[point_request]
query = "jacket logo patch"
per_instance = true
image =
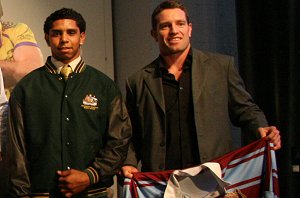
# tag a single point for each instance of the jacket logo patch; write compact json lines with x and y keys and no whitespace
{"x":90,"y":102}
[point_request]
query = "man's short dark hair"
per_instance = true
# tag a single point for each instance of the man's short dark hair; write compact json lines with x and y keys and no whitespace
{"x":170,"y":4}
{"x":65,"y":13}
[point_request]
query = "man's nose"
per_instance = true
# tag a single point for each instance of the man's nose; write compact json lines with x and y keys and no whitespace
{"x":174,"y":28}
{"x":64,"y":37}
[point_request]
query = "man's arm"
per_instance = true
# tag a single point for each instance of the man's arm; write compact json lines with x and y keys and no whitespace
{"x":245,"y":113}
{"x":3,"y":127}
{"x":3,"y":116}
{"x":26,"y":58}
{"x":19,"y":183}
{"x":132,"y":159}
{"x":135,"y":144}
{"x":114,"y":153}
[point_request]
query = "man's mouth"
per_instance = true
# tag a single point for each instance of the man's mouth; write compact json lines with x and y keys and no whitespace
{"x":175,"y":39}
{"x":64,"y":49}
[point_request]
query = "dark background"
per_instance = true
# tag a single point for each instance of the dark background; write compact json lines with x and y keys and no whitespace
{"x":269,"y":61}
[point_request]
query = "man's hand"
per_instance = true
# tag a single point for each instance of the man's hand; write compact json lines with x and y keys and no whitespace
{"x":272,"y":134}
{"x":72,"y":181}
{"x":128,"y":171}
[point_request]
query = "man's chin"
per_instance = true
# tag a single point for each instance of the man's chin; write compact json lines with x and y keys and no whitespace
{"x":173,"y":51}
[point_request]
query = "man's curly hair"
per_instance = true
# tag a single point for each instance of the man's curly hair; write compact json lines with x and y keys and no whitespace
{"x":65,"y":13}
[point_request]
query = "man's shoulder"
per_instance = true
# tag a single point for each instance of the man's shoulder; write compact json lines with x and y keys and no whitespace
{"x":97,"y":77}
{"x":32,"y":75}
{"x":30,"y":80}
{"x":149,"y":69}
{"x":212,"y":58}
{"x":96,"y":73}
{"x":209,"y":54}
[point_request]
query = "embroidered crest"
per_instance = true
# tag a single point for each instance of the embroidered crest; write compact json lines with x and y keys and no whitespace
{"x":90,"y":102}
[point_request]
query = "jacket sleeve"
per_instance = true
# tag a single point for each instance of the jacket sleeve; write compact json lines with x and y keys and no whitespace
{"x":114,"y":153}
{"x":3,"y":114}
{"x":243,"y":111}
{"x":3,"y":126}
{"x":133,"y":155}
{"x":19,"y":183}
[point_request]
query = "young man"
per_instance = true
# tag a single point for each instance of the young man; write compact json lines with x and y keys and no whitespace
{"x":183,"y":103}
{"x":68,"y":131}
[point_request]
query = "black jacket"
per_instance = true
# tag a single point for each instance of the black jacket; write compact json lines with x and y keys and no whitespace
{"x":219,"y":99}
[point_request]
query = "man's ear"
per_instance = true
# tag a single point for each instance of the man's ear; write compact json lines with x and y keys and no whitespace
{"x":82,"y":38}
{"x":154,"y":34}
{"x":47,"y":39}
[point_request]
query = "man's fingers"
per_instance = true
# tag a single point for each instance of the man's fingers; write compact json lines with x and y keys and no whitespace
{"x":273,"y":134}
{"x":63,"y":173}
{"x":277,"y":142}
{"x":67,"y":194}
{"x":128,"y":174}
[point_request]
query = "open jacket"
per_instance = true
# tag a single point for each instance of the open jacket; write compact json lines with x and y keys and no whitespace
{"x":219,"y":100}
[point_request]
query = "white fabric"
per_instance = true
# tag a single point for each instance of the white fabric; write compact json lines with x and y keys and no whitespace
{"x":200,"y":181}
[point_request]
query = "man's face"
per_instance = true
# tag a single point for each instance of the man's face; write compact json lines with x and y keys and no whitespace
{"x":65,"y":39}
{"x":172,"y":31}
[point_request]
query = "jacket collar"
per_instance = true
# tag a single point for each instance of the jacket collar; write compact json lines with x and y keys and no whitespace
{"x":199,"y":67}
{"x":199,"y":73}
{"x":50,"y":67}
{"x":154,"y":83}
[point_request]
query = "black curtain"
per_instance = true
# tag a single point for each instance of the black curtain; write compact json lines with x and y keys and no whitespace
{"x":268,"y":34}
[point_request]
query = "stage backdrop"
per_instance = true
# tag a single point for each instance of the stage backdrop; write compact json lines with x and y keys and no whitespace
{"x":97,"y":51}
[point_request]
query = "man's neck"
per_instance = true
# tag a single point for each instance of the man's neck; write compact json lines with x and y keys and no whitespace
{"x":174,"y":62}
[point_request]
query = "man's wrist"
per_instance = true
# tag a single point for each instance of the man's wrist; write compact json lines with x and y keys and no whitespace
{"x":93,"y":175}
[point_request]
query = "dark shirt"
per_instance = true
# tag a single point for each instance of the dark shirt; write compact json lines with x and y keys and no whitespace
{"x":182,"y":146}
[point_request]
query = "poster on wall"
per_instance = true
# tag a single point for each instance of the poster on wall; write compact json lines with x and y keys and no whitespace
{"x":19,"y":51}
{"x":22,"y":44}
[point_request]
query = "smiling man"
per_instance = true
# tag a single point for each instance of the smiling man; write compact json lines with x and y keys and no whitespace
{"x":68,"y":126}
{"x":182,"y":104}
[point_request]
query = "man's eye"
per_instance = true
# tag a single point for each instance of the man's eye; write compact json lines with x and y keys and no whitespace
{"x":164,"y":26}
{"x":55,"y":34}
{"x":181,"y":24}
{"x":72,"y":32}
